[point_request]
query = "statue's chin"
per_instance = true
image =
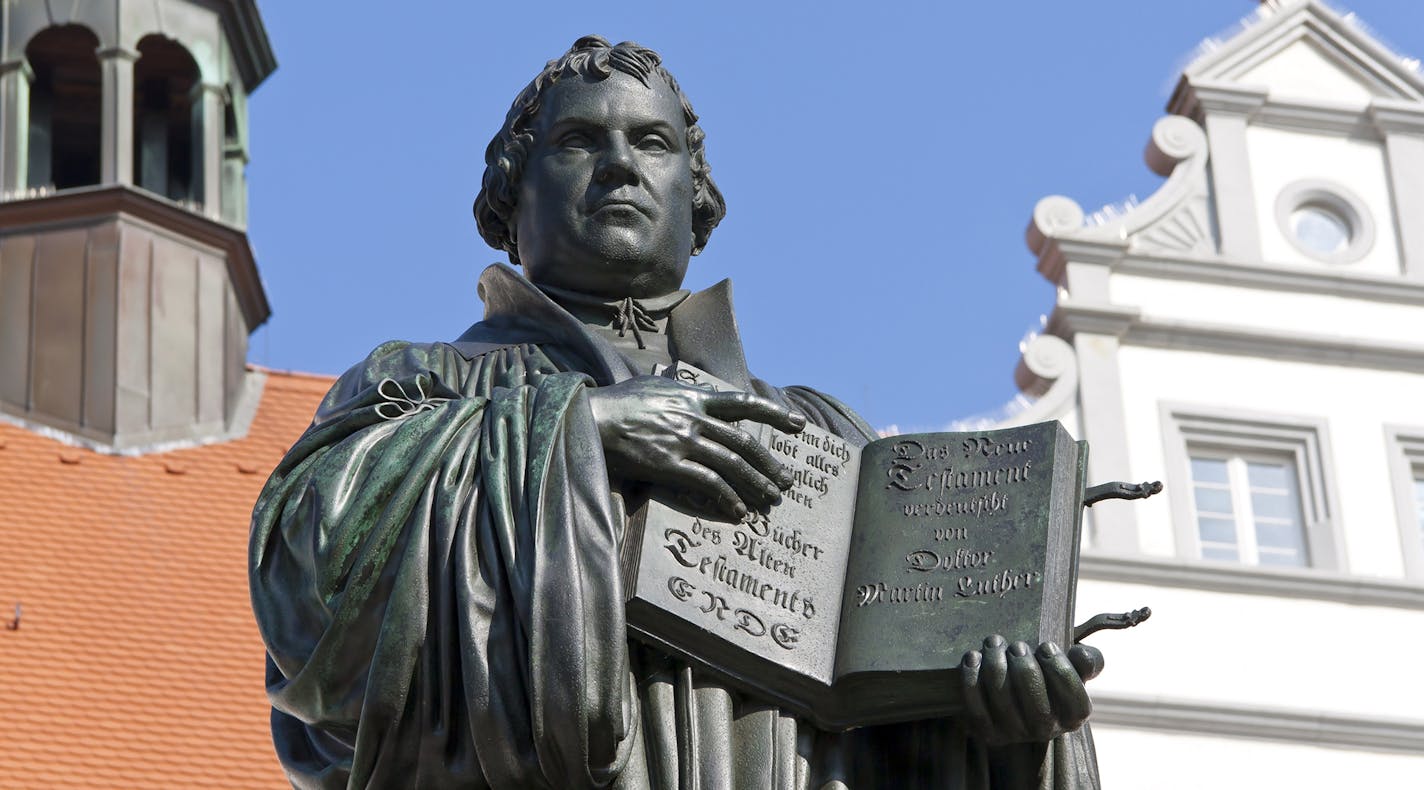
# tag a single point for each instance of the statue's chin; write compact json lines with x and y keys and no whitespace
{"x":614,"y":275}
{"x":639,"y":284}
{"x":655,"y":284}
{"x":635,"y":262}
{"x":616,"y":252}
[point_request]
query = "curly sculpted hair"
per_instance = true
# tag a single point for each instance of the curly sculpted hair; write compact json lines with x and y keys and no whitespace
{"x":594,"y":58}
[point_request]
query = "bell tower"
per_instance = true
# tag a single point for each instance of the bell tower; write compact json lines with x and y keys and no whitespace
{"x":128,"y":287}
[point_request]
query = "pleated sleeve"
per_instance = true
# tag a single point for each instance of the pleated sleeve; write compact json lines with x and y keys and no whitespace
{"x":434,"y":569}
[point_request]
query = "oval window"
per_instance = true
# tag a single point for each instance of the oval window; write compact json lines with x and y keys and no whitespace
{"x":1320,"y":229}
{"x":1325,"y":221}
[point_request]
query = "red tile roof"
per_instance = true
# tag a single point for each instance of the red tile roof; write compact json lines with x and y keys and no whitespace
{"x":137,"y":662}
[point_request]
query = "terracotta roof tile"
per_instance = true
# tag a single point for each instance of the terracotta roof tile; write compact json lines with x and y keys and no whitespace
{"x":137,"y":662}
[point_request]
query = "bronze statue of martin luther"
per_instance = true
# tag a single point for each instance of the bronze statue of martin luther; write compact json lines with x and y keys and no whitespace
{"x":435,"y":564}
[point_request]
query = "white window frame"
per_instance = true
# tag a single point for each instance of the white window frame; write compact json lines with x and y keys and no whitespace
{"x":1238,"y":487}
{"x":1304,"y":441}
{"x":1406,"y":462}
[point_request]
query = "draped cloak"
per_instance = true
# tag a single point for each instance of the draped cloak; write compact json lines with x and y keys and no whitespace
{"x":435,"y":570}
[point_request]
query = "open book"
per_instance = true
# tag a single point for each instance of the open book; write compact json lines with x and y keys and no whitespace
{"x":853,"y":600}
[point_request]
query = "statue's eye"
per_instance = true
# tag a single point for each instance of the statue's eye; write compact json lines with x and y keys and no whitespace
{"x":575,"y":139}
{"x":653,"y":142}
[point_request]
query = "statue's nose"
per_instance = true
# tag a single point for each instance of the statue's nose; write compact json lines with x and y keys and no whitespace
{"x":616,"y":165}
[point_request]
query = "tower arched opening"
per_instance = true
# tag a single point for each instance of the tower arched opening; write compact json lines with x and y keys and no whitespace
{"x":167,"y":120}
{"x":66,"y":105}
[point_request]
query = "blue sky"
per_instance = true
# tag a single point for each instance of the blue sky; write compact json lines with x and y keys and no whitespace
{"x":880,"y":163}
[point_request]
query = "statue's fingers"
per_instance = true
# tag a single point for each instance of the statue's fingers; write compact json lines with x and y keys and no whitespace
{"x":1088,"y":660}
{"x":743,"y":444}
{"x":733,"y":406}
{"x":1071,"y":704}
{"x":998,"y":695}
{"x":1032,"y":696}
{"x":976,"y":714}
{"x":755,"y":490}
{"x":702,"y":481}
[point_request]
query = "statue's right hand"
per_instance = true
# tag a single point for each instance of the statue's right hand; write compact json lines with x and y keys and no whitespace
{"x":683,"y":438}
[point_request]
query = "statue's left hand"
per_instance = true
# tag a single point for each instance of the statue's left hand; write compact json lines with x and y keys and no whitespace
{"x":1015,"y":694}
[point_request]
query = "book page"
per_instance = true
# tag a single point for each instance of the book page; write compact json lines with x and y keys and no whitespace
{"x":951,"y":538}
{"x":771,"y":584}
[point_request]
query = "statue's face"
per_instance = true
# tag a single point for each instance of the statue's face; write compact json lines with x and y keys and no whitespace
{"x":605,"y":201}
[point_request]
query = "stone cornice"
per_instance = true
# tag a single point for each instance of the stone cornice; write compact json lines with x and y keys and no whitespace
{"x":1054,"y":254}
{"x":1318,"y":585}
{"x":1129,"y":325}
{"x":1240,"y":273}
{"x":1197,"y":99}
{"x":1253,"y":104}
{"x":85,"y":204}
{"x":1230,"y":720}
{"x":1316,"y":116}
{"x":1070,"y":318}
{"x":1390,"y":116}
{"x":1280,"y":345}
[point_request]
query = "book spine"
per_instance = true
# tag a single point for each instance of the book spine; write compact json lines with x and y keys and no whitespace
{"x":633,"y":552}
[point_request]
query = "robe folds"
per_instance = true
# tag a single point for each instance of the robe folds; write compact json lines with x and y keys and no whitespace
{"x":435,"y":570}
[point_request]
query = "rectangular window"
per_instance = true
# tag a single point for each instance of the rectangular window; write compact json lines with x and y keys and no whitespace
{"x":1419,"y":503}
{"x":1250,"y":489}
{"x":1406,"y":464}
{"x":1248,"y":510}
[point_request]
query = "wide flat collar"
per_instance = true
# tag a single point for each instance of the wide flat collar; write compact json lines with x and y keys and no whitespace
{"x":655,"y":308}
{"x":703,"y":332}
{"x":702,"y":329}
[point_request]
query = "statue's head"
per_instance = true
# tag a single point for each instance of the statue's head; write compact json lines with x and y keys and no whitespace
{"x":598,"y":181}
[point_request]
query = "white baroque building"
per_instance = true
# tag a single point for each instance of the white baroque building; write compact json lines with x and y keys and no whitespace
{"x":1253,"y":335}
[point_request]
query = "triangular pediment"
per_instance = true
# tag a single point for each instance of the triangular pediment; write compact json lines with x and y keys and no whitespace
{"x":1306,"y":69}
{"x":1305,"y":51}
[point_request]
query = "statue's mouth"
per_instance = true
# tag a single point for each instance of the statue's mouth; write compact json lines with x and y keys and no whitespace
{"x":617,"y":207}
